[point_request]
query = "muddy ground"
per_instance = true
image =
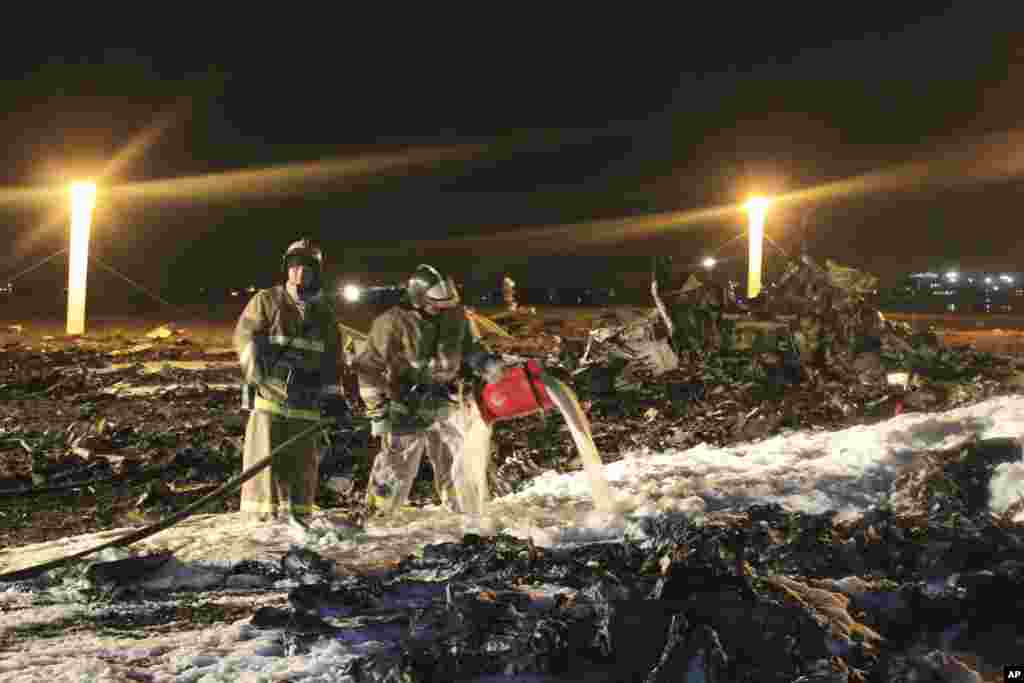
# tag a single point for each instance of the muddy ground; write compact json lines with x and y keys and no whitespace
{"x":56,"y":422}
{"x":154,"y":454}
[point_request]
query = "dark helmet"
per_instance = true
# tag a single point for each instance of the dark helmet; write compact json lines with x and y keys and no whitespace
{"x":427,"y":287}
{"x":304,"y":253}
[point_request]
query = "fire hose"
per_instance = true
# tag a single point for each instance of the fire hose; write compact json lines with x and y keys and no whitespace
{"x":227,"y":488}
{"x":516,"y":395}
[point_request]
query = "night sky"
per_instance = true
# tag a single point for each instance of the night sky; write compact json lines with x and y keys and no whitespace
{"x":551,"y":127}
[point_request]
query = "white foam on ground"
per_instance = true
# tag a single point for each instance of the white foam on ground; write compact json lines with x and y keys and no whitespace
{"x":812,"y":471}
{"x":847,"y":470}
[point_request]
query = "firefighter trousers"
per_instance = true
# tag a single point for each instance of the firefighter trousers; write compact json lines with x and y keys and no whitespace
{"x":289,"y":485}
{"x":395,"y":467}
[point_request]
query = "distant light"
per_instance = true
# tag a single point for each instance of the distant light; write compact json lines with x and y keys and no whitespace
{"x":709,"y":262}
{"x":996,"y":288}
{"x":351,"y":293}
{"x":952,"y":275}
{"x":988,"y":280}
{"x":251,"y":289}
{"x":1006,"y":278}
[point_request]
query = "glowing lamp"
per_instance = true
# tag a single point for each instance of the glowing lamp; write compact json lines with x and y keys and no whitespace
{"x":351,"y":293}
{"x":83,"y":200}
{"x":756,"y":208}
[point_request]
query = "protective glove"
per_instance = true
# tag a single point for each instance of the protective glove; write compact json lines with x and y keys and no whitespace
{"x":489,"y":367}
{"x":384,"y":417}
{"x":336,"y":407}
{"x":261,"y":344}
{"x":493,"y":370}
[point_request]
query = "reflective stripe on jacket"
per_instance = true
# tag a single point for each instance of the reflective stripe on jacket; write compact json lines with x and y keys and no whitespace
{"x":307,"y":346}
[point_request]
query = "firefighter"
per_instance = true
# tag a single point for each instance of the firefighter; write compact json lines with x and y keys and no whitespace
{"x":290,"y":349}
{"x":410,"y":374}
{"x":508,"y":294}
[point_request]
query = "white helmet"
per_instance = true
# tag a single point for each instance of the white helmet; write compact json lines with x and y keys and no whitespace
{"x":427,"y":287}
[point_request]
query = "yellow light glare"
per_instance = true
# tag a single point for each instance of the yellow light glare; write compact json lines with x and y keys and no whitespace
{"x":83,"y":199}
{"x":757,"y":205}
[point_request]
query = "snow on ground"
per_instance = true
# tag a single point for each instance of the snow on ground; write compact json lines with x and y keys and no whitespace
{"x":847,"y":470}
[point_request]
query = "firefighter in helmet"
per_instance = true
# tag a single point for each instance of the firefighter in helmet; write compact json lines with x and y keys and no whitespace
{"x":290,"y":349}
{"x":409,"y":373}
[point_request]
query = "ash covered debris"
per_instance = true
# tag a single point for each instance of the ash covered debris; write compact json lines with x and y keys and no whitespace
{"x":764,"y":595}
{"x":925,"y":587}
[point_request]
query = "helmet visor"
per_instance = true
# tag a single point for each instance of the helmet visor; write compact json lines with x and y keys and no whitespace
{"x":300,"y":258}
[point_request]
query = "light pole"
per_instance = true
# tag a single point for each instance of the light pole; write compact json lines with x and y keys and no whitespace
{"x":83,"y":199}
{"x":756,"y":208}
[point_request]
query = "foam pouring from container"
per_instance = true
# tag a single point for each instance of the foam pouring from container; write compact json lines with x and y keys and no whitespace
{"x":527,"y":390}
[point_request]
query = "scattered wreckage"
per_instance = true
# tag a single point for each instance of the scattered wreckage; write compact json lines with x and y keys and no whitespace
{"x":699,"y":367}
{"x":925,"y":587}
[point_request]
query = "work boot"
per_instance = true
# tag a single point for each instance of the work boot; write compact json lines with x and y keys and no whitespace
{"x":379,"y":508}
{"x":379,"y":499}
{"x":375,"y":506}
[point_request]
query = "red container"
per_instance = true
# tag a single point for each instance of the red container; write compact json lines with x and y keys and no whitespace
{"x":516,"y":395}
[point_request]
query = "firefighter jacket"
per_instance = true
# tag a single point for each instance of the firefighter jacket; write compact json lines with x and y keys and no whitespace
{"x":291,"y":357}
{"x":407,"y":348}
